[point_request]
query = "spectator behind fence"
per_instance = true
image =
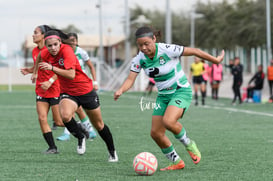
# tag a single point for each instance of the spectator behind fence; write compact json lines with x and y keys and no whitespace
{"x":258,"y":80}
{"x":270,"y":80}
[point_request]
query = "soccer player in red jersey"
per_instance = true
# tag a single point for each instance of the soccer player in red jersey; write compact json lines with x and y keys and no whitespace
{"x":47,"y":91}
{"x":76,"y":89}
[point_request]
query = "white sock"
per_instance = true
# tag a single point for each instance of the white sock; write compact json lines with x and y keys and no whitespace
{"x":182,"y":137}
{"x":66,"y":131}
{"x":87,"y":124}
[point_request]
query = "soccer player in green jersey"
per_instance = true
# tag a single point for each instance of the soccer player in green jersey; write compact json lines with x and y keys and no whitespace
{"x":161,"y":62}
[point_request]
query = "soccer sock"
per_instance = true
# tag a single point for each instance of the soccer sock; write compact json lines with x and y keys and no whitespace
{"x":203,"y":93}
{"x":73,"y":128}
{"x":216,"y":93}
{"x":182,"y":137}
{"x":49,"y":139}
{"x":171,"y":154}
{"x":196,"y":97}
{"x":108,"y":139}
{"x":66,"y":131}
{"x":212,"y":92}
{"x":86,"y":122}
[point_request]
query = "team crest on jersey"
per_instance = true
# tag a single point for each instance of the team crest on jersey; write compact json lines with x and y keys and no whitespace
{"x":161,"y":60}
{"x":136,"y":66}
{"x":61,"y":61}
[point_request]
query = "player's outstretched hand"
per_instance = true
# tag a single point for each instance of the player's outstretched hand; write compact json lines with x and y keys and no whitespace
{"x":117,"y":94}
{"x":220,"y":58}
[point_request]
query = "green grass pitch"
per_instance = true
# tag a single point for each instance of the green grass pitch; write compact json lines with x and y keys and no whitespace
{"x":236,"y":142}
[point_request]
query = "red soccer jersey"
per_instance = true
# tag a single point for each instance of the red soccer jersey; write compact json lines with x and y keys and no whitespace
{"x":66,"y":59}
{"x":45,"y":75}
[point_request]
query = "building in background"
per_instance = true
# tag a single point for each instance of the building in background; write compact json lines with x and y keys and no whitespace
{"x":114,"y":48}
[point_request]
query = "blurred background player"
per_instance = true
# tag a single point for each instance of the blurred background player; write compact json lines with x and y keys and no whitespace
{"x":258,"y":79}
{"x":83,"y":60}
{"x":196,"y":73}
{"x":205,"y":74}
{"x":150,"y":86}
{"x":237,"y":72}
{"x":270,"y":80}
{"x":47,"y":91}
{"x":216,"y":77}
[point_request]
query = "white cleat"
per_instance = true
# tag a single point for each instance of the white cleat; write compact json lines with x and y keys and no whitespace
{"x":113,"y":158}
{"x":81,"y":146}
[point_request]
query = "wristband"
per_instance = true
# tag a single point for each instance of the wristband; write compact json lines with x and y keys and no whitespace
{"x":52,"y":68}
{"x":95,"y":83}
{"x":51,"y":80}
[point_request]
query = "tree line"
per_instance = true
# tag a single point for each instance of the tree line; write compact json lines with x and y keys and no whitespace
{"x":222,"y":25}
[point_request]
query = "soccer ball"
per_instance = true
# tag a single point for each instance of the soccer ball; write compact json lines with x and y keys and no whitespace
{"x":145,"y":163}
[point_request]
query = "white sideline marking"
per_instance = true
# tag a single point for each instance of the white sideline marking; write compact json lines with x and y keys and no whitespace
{"x":241,"y":110}
{"x":17,"y":106}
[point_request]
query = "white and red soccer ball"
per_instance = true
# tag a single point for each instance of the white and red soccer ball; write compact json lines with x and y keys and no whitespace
{"x":145,"y":163}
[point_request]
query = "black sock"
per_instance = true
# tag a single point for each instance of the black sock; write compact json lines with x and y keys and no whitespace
{"x":196,"y":97}
{"x":108,"y":139}
{"x":73,"y":128}
{"x":49,"y":139}
{"x":203,"y":93}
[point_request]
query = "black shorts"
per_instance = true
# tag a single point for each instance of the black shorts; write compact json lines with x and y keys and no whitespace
{"x":87,"y":101}
{"x":215,"y":82}
{"x":197,"y":79}
{"x":51,"y":101}
{"x":151,"y":83}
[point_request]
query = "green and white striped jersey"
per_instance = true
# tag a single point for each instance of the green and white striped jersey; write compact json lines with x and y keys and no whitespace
{"x":82,"y":57}
{"x":165,"y":67}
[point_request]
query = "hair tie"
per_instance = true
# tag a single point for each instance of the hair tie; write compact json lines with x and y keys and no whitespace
{"x":53,"y":36}
{"x":149,"y":34}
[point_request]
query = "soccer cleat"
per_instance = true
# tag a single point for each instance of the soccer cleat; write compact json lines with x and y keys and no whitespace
{"x":113,"y":157}
{"x":63,"y":137}
{"x":51,"y":151}
{"x":194,"y":152}
{"x":83,"y":130}
{"x":92,"y":135}
{"x":178,"y":166}
{"x":81,"y":146}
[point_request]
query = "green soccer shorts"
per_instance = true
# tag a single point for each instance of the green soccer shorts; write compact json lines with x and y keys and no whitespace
{"x":181,"y":98}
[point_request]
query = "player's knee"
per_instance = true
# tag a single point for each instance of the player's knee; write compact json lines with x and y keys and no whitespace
{"x":168,"y":123}
{"x":42,"y":118}
{"x":99,"y":125}
{"x":66,"y":117}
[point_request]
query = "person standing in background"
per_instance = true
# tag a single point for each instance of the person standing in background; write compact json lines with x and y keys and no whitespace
{"x":149,"y":87}
{"x":237,"y":72}
{"x":270,"y":80}
{"x":197,"y":69}
{"x":216,"y":78}
{"x":206,"y":74}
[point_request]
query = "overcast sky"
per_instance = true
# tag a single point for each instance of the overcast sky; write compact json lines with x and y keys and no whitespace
{"x":18,"y":18}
